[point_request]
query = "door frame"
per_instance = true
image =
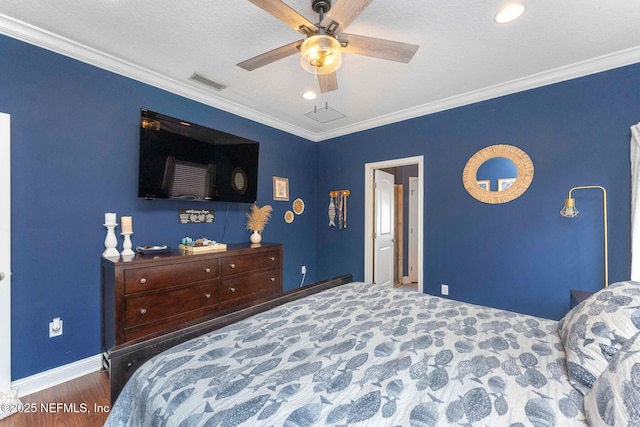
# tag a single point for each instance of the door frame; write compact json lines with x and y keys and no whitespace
{"x":369,"y":207}
{"x":5,"y":257}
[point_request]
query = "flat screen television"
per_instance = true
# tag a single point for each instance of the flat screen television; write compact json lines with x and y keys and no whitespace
{"x":185,"y":161}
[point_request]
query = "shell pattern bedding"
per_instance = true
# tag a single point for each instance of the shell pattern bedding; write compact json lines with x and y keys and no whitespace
{"x":364,"y":354}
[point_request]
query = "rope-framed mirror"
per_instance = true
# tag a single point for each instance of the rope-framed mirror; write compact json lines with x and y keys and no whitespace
{"x":523,"y":178}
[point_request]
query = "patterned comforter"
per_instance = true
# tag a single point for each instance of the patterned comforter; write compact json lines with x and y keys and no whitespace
{"x":361,"y":354}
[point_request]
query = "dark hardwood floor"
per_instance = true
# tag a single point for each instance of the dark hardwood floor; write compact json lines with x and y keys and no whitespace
{"x":83,"y":402}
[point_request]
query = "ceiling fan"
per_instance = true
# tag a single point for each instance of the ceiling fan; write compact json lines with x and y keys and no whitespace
{"x":321,"y":51}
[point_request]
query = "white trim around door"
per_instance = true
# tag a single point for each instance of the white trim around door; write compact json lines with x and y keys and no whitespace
{"x":8,"y":397}
{"x":369,"y":171}
{"x":5,"y":255}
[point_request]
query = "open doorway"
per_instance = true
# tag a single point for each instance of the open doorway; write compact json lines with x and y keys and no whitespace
{"x":371,"y":221}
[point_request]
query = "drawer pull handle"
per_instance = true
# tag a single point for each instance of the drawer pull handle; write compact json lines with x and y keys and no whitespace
{"x":143,"y":311}
{"x":207,"y":270}
{"x":143,"y":281}
{"x":207,"y":295}
{"x":232,"y":266}
{"x":232,"y":289}
{"x":273,"y":279}
{"x":272,"y":258}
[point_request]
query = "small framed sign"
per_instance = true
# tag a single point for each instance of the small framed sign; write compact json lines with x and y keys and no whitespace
{"x":195,"y":216}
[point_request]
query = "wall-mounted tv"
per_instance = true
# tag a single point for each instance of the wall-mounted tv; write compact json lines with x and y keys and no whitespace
{"x":185,"y":161}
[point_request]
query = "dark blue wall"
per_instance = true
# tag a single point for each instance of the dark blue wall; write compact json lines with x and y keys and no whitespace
{"x":521,"y":255}
{"x":74,"y":156}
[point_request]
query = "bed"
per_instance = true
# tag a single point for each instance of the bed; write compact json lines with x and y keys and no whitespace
{"x":365,"y":354}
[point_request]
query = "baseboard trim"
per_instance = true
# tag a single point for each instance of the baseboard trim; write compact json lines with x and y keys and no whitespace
{"x":59,"y":375}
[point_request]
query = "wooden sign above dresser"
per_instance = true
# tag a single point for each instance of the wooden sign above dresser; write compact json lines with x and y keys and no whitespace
{"x":150,"y":293}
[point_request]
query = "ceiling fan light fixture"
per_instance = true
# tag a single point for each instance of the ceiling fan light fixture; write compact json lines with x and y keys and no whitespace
{"x":509,"y":13}
{"x":320,"y":54}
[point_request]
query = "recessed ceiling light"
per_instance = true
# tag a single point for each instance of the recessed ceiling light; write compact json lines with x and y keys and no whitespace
{"x":309,"y":95}
{"x":509,"y":13}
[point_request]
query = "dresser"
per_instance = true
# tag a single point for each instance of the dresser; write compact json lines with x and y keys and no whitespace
{"x":146,"y":294}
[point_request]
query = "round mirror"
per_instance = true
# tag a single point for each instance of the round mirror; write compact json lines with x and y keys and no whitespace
{"x":498,"y":174}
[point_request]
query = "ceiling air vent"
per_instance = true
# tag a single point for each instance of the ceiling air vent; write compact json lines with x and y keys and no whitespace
{"x":200,"y":79}
{"x":324,"y":114}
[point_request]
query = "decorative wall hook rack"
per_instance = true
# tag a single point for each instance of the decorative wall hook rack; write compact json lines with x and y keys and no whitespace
{"x":343,"y":193}
{"x":338,"y":208}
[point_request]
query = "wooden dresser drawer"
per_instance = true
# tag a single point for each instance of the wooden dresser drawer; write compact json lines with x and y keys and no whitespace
{"x":170,"y":288}
{"x":243,"y":263}
{"x":248,"y":287}
{"x":164,"y":276}
{"x":143,"y":309}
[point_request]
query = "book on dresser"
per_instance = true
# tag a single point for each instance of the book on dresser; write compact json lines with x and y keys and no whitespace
{"x":147,"y":294}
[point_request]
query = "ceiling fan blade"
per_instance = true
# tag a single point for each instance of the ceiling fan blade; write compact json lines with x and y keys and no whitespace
{"x":328,"y":82}
{"x":343,"y":13}
{"x":284,"y":13}
{"x":271,"y":56}
{"x":379,"y":48}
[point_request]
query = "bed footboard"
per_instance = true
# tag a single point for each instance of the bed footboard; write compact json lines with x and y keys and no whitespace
{"x":122,"y":361}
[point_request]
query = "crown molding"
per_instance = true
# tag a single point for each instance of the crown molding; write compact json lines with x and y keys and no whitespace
{"x":64,"y":46}
{"x":569,"y":72}
{"x":47,"y":40}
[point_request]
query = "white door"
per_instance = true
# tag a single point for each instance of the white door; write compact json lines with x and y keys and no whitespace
{"x":383,"y":239}
{"x":5,"y":257}
{"x":413,"y":230}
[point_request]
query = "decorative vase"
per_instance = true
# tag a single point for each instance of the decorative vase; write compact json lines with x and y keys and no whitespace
{"x":255,"y":237}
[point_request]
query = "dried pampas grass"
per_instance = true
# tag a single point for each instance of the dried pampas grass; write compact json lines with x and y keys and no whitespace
{"x":258,"y":217}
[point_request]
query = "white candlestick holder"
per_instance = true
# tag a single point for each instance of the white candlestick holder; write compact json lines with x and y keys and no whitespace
{"x":110,"y":242}
{"x":126,"y":244}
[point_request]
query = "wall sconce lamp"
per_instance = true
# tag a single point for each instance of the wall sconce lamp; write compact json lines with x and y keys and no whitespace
{"x":570,"y":211}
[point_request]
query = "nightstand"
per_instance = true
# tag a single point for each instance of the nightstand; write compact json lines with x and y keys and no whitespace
{"x":577,"y":296}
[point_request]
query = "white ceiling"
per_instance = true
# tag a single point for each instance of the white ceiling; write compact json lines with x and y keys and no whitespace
{"x":464,"y":55}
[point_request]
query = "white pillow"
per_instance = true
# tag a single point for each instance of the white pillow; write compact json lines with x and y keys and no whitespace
{"x":614,"y":398}
{"x":595,"y":330}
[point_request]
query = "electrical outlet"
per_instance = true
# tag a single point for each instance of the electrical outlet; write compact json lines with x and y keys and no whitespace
{"x":304,"y":269}
{"x":55,"y":327}
{"x":444,"y":289}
